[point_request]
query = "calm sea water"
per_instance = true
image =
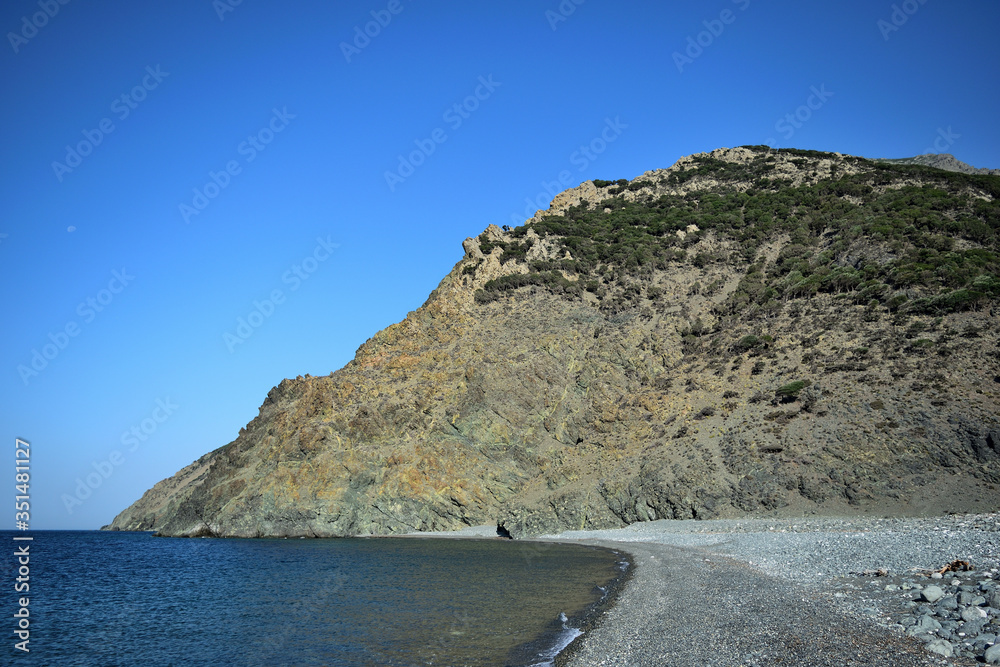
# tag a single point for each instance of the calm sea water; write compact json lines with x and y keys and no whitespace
{"x":102,"y":598}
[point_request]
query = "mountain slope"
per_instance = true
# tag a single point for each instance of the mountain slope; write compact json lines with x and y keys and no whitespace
{"x":945,"y":161}
{"x":749,"y":331}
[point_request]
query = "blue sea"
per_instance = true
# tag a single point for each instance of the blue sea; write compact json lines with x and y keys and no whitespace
{"x":111,"y":598}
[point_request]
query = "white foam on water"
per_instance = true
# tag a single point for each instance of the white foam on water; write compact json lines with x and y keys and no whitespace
{"x":563,"y":640}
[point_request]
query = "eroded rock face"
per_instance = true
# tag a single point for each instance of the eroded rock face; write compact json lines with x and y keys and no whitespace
{"x":631,"y":400}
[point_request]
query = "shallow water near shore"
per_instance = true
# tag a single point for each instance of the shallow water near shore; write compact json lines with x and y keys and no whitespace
{"x":132,"y":599}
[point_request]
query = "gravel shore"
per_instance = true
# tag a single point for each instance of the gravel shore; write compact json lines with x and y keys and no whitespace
{"x":817,"y":591}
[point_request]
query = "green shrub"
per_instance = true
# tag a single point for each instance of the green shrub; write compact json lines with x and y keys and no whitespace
{"x":553,"y":280}
{"x":750,"y":342}
{"x":790,"y":391}
{"x":920,"y":345}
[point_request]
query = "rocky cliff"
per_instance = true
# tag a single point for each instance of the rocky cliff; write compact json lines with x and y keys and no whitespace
{"x":749,"y":331}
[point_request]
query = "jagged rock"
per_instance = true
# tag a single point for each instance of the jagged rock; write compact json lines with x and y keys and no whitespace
{"x":471,"y":247}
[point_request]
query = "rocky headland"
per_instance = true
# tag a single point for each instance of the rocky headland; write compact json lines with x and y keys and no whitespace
{"x":748,"y":333}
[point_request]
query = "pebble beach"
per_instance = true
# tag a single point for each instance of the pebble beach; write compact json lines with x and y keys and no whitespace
{"x":807,"y":591}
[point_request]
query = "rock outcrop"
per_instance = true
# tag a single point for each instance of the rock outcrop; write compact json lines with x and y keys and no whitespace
{"x":747,"y":332}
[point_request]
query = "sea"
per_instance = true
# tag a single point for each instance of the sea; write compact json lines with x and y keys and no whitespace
{"x":116,"y":598}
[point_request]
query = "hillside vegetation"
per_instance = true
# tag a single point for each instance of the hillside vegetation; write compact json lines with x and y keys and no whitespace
{"x":936,"y":232}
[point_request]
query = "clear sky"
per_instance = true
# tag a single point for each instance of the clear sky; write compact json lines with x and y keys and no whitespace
{"x":173,"y":169}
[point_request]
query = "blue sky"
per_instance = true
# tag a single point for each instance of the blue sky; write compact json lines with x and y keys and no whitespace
{"x":175,"y":168}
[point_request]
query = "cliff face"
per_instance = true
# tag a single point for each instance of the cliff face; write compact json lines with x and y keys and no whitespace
{"x":746,"y":332}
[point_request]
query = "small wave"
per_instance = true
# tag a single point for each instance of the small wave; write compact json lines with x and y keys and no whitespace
{"x":563,"y":639}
